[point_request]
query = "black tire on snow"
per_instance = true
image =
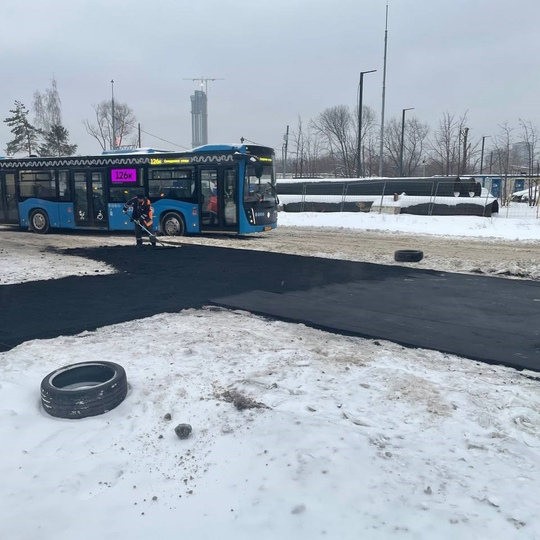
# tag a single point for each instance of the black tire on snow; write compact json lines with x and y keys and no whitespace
{"x":408,"y":255}
{"x":83,"y":389}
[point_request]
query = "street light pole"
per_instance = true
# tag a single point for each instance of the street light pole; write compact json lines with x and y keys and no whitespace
{"x":359,"y":171}
{"x":113,"y":141}
{"x":482,"y":155}
{"x":402,"y":139}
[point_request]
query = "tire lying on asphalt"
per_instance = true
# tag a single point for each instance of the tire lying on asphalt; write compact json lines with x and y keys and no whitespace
{"x":408,"y":255}
{"x":83,"y":389}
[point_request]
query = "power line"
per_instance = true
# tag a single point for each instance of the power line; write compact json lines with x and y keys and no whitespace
{"x":157,"y":137}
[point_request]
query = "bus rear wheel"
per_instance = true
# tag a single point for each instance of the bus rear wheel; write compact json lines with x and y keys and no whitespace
{"x":39,"y":222}
{"x":172,"y":224}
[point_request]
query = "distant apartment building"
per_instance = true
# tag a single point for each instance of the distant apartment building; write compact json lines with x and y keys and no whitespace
{"x":199,"y":118}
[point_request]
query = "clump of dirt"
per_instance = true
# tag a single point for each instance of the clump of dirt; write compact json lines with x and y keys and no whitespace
{"x":240,"y":401}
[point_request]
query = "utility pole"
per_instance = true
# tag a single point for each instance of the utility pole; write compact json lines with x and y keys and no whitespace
{"x":465,"y":136}
{"x":285,"y":146}
{"x":482,"y":155}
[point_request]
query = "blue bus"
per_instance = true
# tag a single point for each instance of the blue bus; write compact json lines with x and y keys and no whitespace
{"x":209,"y":189}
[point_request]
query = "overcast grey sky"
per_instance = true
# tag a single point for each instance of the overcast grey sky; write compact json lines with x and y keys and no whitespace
{"x":278,"y":59}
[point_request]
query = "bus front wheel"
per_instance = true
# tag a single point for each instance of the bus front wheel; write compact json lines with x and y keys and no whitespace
{"x":172,"y":224}
{"x":39,"y":222}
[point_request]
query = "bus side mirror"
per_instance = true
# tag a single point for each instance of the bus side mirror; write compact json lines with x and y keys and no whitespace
{"x":258,"y":170}
{"x":257,"y":165}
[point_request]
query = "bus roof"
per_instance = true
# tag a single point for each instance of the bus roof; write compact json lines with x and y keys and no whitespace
{"x":242,"y":148}
{"x":133,"y":156}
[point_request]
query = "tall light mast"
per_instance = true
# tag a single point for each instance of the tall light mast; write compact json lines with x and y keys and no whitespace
{"x":113,"y":139}
{"x":381,"y":148}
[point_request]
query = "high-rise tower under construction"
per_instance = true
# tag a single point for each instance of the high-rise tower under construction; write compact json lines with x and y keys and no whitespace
{"x":199,"y":118}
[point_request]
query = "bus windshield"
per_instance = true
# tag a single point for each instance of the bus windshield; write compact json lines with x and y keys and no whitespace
{"x":260,"y":189}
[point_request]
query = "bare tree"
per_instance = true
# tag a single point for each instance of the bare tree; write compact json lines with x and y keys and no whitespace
{"x":329,"y":145}
{"x":445,"y":148}
{"x":414,"y":141}
{"x":392,"y":145}
{"x":370,"y":154}
{"x":336,"y":126}
{"x":313,"y":149}
{"x":416,"y":134}
{"x":367,"y":144}
{"x":102,"y":130}
{"x":299,"y":144}
{"x":54,"y":137}
{"x":502,"y":143}
{"x":307,"y":148}
{"x":529,"y":137}
{"x":47,"y":108}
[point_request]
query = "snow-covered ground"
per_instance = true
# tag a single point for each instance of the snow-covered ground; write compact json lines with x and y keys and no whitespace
{"x":38,"y":265}
{"x":464,"y":226}
{"x":357,"y":439}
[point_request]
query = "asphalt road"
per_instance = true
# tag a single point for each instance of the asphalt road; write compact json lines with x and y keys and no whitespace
{"x":487,"y":319}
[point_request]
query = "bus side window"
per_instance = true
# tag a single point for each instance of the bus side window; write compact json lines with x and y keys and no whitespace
{"x":64,"y":192}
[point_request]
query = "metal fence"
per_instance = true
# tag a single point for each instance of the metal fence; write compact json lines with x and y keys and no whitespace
{"x":419,"y":197}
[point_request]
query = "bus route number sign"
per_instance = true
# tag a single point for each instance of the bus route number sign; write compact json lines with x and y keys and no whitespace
{"x":123,"y":176}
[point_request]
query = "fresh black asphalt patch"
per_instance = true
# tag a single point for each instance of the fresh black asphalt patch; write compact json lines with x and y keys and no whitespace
{"x":488,"y":319}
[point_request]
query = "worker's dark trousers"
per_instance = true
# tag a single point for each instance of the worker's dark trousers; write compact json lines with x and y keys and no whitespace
{"x":139,"y":231}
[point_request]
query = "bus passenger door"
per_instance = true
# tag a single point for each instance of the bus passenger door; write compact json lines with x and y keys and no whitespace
{"x":89,"y":203}
{"x":218,"y":199}
{"x":209,"y":198}
{"x":9,"y":209}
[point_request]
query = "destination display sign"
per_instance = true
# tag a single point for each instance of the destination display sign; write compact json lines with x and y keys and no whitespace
{"x":169,"y":161}
{"x":123,"y":176}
